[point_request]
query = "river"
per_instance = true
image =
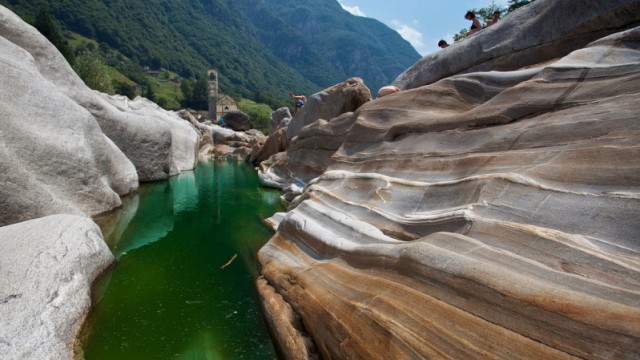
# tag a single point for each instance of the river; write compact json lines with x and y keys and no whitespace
{"x":168,"y":295}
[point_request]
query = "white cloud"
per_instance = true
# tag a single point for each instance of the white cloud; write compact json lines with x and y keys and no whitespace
{"x":355,"y":10}
{"x":411,"y":34}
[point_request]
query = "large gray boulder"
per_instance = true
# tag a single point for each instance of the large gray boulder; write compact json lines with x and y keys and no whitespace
{"x":298,"y":153}
{"x":279,"y":119}
{"x":184,"y":137}
{"x":486,"y":215}
{"x":54,"y":157}
{"x":330,"y":103}
{"x":238,"y":121}
{"x":145,"y":140}
{"x":46,"y":271}
{"x":541,"y":31}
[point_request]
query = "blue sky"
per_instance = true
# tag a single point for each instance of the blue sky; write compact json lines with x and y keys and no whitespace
{"x":421,"y":22}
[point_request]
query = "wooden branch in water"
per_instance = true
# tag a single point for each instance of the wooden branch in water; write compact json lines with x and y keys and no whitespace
{"x":230,"y":261}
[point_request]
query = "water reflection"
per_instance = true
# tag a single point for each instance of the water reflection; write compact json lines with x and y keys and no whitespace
{"x":167,"y":294}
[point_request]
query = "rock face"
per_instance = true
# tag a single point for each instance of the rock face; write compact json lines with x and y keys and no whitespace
{"x":59,"y":256}
{"x":312,"y":136}
{"x":489,"y":214}
{"x":279,"y":119}
{"x":541,"y":31}
{"x":54,"y":157}
{"x":145,"y":140}
{"x":184,"y":138}
{"x":329,"y":103}
{"x":238,"y":121}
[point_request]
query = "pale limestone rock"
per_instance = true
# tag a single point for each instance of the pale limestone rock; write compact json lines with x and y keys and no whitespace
{"x":492,"y":214}
{"x":145,"y":140}
{"x":54,"y":157}
{"x":539,"y":32}
{"x":184,"y":138}
{"x":46,"y":270}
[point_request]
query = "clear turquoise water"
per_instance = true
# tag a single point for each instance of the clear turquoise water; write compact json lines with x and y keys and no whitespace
{"x":167,"y":296}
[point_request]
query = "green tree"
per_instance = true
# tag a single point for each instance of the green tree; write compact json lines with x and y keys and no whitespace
{"x":123,"y":88}
{"x":48,"y":28}
{"x":92,"y":70}
{"x":514,"y":4}
{"x":186,"y":86}
{"x":149,"y":93}
{"x":200,"y":95}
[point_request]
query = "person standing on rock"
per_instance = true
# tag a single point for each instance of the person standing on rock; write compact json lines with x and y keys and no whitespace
{"x":298,"y":101}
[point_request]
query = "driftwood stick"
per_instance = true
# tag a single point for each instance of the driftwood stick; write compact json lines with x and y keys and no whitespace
{"x":230,"y":261}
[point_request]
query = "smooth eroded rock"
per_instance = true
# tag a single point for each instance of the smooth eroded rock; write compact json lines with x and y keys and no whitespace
{"x":46,"y":270}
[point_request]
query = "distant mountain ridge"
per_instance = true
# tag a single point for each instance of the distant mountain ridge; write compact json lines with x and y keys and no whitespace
{"x":271,"y":46}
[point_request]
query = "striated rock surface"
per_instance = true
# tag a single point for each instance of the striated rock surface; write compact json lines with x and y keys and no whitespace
{"x":58,"y":257}
{"x":487,"y":215}
{"x":145,"y":140}
{"x":312,"y":136}
{"x":543,"y":30}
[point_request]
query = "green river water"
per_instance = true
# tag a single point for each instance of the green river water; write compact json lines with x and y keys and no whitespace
{"x":167,"y":296}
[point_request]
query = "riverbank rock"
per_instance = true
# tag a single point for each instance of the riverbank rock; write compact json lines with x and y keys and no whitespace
{"x":46,"y":270}
{"x":184,"y":137}
{"x":237,"y":145}
{"x":539,"y":32}
{"x":237,"y":121}
{"x":54,"y":157}
{"x":145,"y":140}
{"x":330,"y":103}
{"x":307,"y":149}
{"x":489,"y":214}
{"x":279,"y":119}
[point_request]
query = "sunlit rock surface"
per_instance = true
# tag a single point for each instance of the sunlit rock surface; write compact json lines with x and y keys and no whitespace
{"x":184,"y":138}
{"x":59,"y":256}
{"x":145,"y":140}
{"x":487,"y":215}
{"x":54,"y":158}
{"x":307,"y":143}
{"x":541,"y":31}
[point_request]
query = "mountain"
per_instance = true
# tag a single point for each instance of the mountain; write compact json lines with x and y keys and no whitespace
{"x":259,"y":46}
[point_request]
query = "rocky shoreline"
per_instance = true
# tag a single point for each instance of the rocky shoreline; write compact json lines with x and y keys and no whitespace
{"x":491,"y":208}
{"x":488,"y":209}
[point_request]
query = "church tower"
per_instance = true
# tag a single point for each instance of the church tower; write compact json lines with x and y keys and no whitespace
{"x":212,"y":76}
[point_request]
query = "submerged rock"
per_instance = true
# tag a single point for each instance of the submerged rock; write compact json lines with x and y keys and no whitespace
{"x":487,"y":214}
{"x":46,"y":270}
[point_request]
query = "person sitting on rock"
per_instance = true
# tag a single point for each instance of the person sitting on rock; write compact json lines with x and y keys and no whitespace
{"x":443,"y":44}
{"x":475,"y":23}
{"x":298,"y":101}
{"x":496,"y":17}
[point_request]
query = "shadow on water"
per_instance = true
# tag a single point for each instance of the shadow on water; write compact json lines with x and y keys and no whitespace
{"x":167,"y":296}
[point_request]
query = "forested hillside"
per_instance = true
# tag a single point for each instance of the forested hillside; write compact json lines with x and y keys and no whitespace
{"x":262,"y":48}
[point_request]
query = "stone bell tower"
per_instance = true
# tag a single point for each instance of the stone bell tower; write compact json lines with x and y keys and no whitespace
{"x":212,"y":76}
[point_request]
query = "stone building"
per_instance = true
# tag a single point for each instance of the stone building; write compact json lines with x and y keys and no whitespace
{"x":224,"y":105}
